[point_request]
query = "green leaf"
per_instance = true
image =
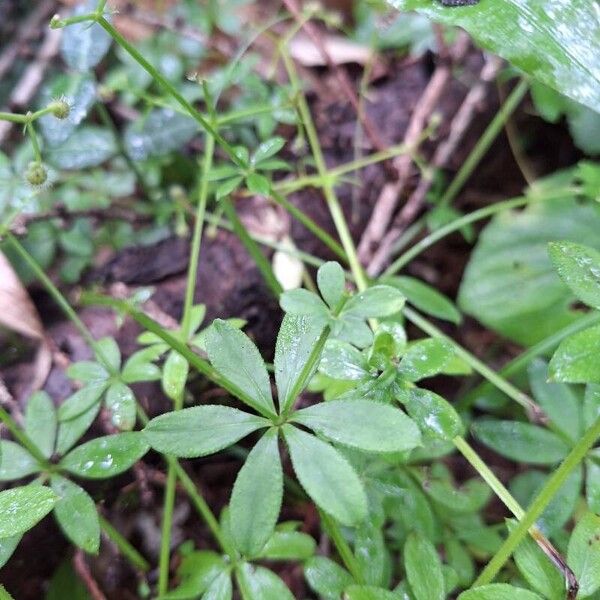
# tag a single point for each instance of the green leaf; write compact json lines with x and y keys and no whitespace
{"x":40,"y":422}
{"x":423,"y":568}
{"x":107,"y":350}
{"x":510,"y":284}
{"x":76,"y":514}
{"x":22,"y":507}
{"x":583,"y":554}
{"x":326,"y":577}
{"x":591,"y":405}
{"x":553,"y":41}
{"x":137,"y":369}
{"x":158,"y":133}
{"x":579,"y":267}
{"x":99,"y":144}
{"x":200,"y":430}
{"x":521,"y":442}
{"x":371,"y":553}
{"x":369,"y":592}
{"x":87,"y":371}
{"x":220,"y":588}
{"x":228,"y":187}
{"x":288,"y":545}
{"x":106,"y":456}
{"x":83,"y":45}
{"x":198,"y":571}
{"x":7,"y":547}
{"x":258,"y":184}
{"x":237,"y":359}
{"x":258,"y":583}
{"x":303,"y":302}
{"x":576,"y":359}
{"x":426,"y":298}
{"x":326,"y":476}
{"x":120,"y":403}
{"x":341,"y":360}
{"x":267,"y":149}
{"x":174,"y":376}
{"x":331,"y":282}
{"x":81,"y":401}
{"x":256,"y":496}
{"x":435,"y":416}
{"x":376,"y":301}
{"x":592,"y":482}
{"x":70,"y":431}
{"x":296,"y":341}
{"x":498,"y":591}
{"x":425,"y":358}
{"x":558,"y":400}
{"x":537,"y":569}
{"x":362,"y":424}
{"x":15,"y":461}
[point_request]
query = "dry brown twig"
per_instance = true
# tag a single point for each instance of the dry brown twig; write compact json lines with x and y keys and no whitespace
{"x":83,"y":572}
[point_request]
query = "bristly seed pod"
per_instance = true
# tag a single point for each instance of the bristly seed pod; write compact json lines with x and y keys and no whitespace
{"x":36,"y":174}
{"x":60,"y":108}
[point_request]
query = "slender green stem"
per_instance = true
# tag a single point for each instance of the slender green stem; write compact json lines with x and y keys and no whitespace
{"x":334,"y":532}
{"x":126,"y":549}
{"x":485,"y":141}
{"x":508,"y":388}
{"x":22,"y":437}
{"x":34,"y":141}
{"x":164,"y":558}
{"x":13,"y":117}
{"x":537,"y":507}
{"x":57,"y":23}
{"x":259,"y":258}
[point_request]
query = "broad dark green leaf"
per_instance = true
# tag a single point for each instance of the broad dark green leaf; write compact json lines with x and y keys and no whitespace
{"x":237,"y":359}
{"x":326,"y":577}
{"x":331,"y":282}
{"x":174,"y":376}
{"x":296,"y":341}
{"x":425,"y":358}
{"x":15,"y":461}
{"x":423,"y":568}
{"x":376,"y":301}
{"x":521,"y":442}
{"x":579,"y":267}
{"x":70,"y":431}
{"x":40,"y":422}
{"x":81,"y":401}
{"x":76,"y":514}
{"x":288,"y":545}
{"x":120,"y":402}
{"x":326,"y":476}
{"x":510,"y":284}
{"x":552,"y":40}
{"x":576,"y":359}
{"x":435,"y":416}
{"x":583,"y":554}
{"x":341,"y":360}
{"x":106,"y":456}
{"x":362,"y":424}
{"x":22,"y":507}
{"x":498,"y":591}
{"x":256,"y":496}
{"x":259,"y":583}
{"x":200,"y":430}
{"x":99,"y":144}
{"x":426,"y":298}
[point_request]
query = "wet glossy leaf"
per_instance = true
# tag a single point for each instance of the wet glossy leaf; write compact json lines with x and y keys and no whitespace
{"x":362,"y":424}
{"x":200,"y":430}
{"x":423,"y":568}
{"x":22,"y":507}
{"x":259,"y":583}
{"x":7,"y":547}
{"x":296,"y":341}
{"x":326,"y":476}
{"x":434,"y":416}
{"x":106,"y":456}
{"x":237,"y":359}
{"x":521,"y":442}
{"x":81,"y":401}
{"x":425,"y":358}
{"x":331,"y":282}
{"x":70,"y":431}
{"x":15,"y":461}
{"x":76,"y":514}
{"x":576,"y":359}
{"x":40,"y":422}
{"x":498,"y":591}
{"x":288,"y":545}
{"x":120,"y":403}
{"x":303,"y":302}
{"x":552,"y":40}
{"x":256,"y":496}
{"x":579,"y":267}
{"x":371,"y":553}
{"x":583,"y":555}
{"x":326,"y":577}
{"x":99,"y":146}
{"x":376,"y":301}
{"x":341,"y":360}
{"x":174,"y":376}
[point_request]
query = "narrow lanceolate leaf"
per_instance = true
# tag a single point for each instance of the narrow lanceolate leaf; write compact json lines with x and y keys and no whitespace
{"x":76,"y":514}
{"x":259,"y":583}
{"x":81,"y":401}
{"x":40,"y":422}
{"x":579,"y":267}
{"x":200,"y":430}
{"x":521,"y":441}
{"x":237,"y":359}
{"x":369,"y":592}
{"x":174,"y":377}
{"x":288,"y":545}
{"x":331,"y":282}
{"x":425,"y":358}
{"x":376,"y":301}
{"x":70,"y":431}
{"x":22,"y":507}
{"x":106,"y":456}
{"x":7,"y":546}
{"x":256,"y":497}
{"x":326,"y":476}
{"x":15,"y":461}
{"x":423,"y":568}
{"x":303,"y":302}
{"x":326,"y":577}
{"x":220,"y":588}
{"x":296,"y":342}
{"x":362,"y":424}
{"x":552,"y":40}
{"x":583,"y":554}
{"x":120,"y":402}
{"x":435,"y":416}
{"x":576,"y":359}
{"x":498,"y":591}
